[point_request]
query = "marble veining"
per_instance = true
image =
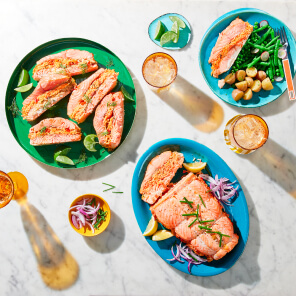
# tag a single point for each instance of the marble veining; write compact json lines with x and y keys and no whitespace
{"x":120,"y":262}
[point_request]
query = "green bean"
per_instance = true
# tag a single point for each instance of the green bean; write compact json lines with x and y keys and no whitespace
{"x":272,"y":34}
{"x":258,"y":46}
{"x":260,"y":29}
{"x":264,"y":63}
{"x":276,"y":51}
{"x":271,"y":47}
{"x":262,"y":39}
{"x":281,"y":68}
{"x":272,"y":41}
{"x":255,"y":61}
{"x":272,"y":72}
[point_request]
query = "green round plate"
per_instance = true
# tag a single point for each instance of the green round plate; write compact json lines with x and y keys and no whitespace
{"x":20,"y":128}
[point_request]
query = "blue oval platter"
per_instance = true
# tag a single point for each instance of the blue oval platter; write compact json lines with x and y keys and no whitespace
{"x":209,"y":39}
{"x":238,"y":211}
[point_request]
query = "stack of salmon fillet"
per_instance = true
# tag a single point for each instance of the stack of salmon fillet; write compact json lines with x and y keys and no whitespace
{"x":168,"y":207}
{"x":55,"y":75}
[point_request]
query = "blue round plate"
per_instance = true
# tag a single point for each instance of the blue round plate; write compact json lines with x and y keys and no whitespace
{"x":209,"y":40}
{"x":238,"y":211}
{"x":184,"y":36}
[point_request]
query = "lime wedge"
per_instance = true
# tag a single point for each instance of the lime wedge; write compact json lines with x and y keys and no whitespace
{"x":175,"y":28}
{"x":161,"y":235}
{"x":126,"y":95}
{"x":61,"y":151}
{"x":24,"y":78}
{"x":65,"y":160}
{"x":24,"y":88}
{"x":151,"y":227}
{"x":89,"y":142}
{"x":194,"y":167}
{"x":159,"y":30}
{"x":178,"y":20}
{"x":167,"y":37}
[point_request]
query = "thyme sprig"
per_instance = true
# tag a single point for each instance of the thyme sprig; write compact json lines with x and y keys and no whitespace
{"x":15,"y":111}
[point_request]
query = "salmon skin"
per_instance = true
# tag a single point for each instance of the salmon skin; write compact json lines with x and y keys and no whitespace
{"x":160,"y":171}
{"x":229,"y":45}
{"x":169,"y":210}
{"x":89,"y":93}
{"x":50,"y":90}
{"x":54,"y":131}
{"x":71,"y":62}
{"x":109,"y":119}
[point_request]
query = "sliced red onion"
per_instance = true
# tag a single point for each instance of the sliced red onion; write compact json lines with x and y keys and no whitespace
{"x":187,"y":254}
{"x":221,"y":188}
{"x":83,"y":214}
{"x":263,"y":23}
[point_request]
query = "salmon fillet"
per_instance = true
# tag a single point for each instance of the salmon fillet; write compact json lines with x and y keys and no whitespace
{"x":54,"y":131}
{"x":181,"y":218}
{"x":89,"y":93}
{"x":50,"y":90}
{"x":109,"y":120}
{"x":160,"y":171}
{"x":71,"y":62}
{"x":229,"y":45}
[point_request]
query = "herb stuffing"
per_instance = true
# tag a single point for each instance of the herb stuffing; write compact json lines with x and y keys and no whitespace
{"x":83,"y":67}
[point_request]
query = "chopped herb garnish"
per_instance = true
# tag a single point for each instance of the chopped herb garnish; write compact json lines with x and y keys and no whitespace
{"x":46,"y":105}
{"x":202,"y":201}
{"x":208,"y":171}
{"x":111,"y":187}
{"x":206,"y":221}
{"x":86,"y":98}
{"x":187,"y":202}
{"x":105,"y":133}
{"x":62,"y":66}
{"x":220,"y":234}
{"x":92,"y":203}
{"x":113,"y":104}
{"x":208,"y":191}
{"x":43,"y":130}
{"x":14,"y":108}
{"x":83,"y":67}
{"x":117,"y":192}
{"x":192,"y":214}
{"x":101,"y":216}
{"x":193,"y":222}
{"x":61,"y":71}
{"x":110,"y":63}
{"x":204,"y":227}
{"x":82,"y":157}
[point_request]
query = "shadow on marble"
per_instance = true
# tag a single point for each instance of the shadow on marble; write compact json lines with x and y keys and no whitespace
{"x":277,"y":163}
{"x":125,"y":153}
{"x":58,"y":269}
{"x":246,"y":270}
{"x":202,"y":112}
{"x":111,"y":239}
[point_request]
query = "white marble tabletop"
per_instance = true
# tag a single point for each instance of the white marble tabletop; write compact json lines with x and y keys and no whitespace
{"x":120,"y":262}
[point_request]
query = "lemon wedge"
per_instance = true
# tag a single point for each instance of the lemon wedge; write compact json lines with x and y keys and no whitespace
{"x":151,"y":227}
{"x":194,"y":167}
{"x":161,"y":235}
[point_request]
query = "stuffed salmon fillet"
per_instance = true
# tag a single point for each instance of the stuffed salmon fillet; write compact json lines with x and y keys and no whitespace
{"x":229,"y":45}
{"x":88,"y":94}
{"x":109,"y":120}
{"x":71,"y":62}
{"x":54,"y":131}
{"x":50,"y":90}
{"x":160,"y":171}
{"x":201,"y":224}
